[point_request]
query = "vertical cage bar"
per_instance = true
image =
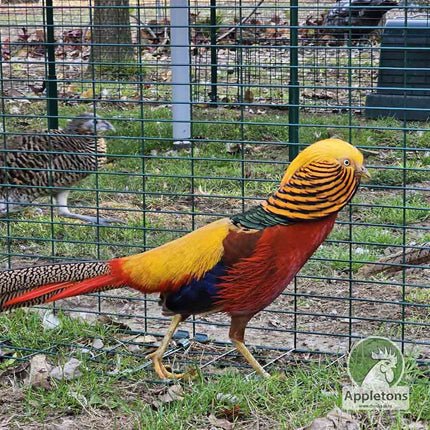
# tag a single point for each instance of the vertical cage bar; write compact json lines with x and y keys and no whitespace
{"x":51,"y":81}
{"x":294,"y":81}
{"x":349,"y":47}
{"x":4,"y":171}
{"x":404,"y":173}
{"x":293,"y":118}
{"x":214,"y":54}
{"x":242,"y":92}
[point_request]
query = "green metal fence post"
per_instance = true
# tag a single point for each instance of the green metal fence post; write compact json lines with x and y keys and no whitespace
{"x":214,"y":54}
{"x":294,"y":80}
{"x":51,"y":81}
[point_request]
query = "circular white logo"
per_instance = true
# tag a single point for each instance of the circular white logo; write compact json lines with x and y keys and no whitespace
{"x":376,"y":362}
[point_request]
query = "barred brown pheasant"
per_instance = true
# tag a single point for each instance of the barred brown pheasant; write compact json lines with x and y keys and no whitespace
{"x":41,"y":164}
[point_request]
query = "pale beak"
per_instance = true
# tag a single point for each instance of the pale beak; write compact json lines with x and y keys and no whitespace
{"x":364,"y":173}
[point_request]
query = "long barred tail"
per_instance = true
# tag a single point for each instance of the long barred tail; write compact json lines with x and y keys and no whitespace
{"x":35,"y":285}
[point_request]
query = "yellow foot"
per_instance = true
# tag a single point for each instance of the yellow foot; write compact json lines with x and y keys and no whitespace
{"x":160,"y":368}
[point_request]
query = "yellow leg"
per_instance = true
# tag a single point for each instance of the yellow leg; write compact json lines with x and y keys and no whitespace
{"x":240,"y":346}
{"x":157,"y":355}
{"x":237,"y":333}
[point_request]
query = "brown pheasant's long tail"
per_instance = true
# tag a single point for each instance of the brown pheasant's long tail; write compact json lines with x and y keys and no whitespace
{"x":35,"y":285}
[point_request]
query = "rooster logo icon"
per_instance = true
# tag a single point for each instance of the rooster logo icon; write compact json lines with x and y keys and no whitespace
{"x":376,"y":362}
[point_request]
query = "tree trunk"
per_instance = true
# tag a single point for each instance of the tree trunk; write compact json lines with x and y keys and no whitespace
{"x":112,"y":26}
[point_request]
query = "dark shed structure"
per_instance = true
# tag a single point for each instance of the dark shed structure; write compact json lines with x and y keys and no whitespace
{"x":403,"y":90}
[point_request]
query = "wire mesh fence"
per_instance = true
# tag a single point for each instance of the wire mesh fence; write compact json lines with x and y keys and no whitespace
{"x":259,"y":80}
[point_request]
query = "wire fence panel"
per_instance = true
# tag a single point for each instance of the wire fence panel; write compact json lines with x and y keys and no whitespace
{"x":259,"y":80}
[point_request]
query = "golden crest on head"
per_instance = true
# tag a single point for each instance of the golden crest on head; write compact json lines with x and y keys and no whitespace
{"x":326,"y":150}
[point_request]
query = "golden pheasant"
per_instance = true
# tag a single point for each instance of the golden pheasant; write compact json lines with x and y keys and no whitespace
{"x":237,"y":265}
{"x":36,"y":165}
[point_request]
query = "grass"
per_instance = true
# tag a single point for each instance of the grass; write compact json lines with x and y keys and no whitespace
{"x":297,"y":392}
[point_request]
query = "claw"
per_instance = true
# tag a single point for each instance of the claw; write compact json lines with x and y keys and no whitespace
{"x":93,"y":219}
{"x":160,"y":368}
{"x":108,"y":221}
{"x":63,"y":210}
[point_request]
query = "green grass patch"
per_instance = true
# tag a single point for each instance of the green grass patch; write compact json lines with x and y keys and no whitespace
{"x":296,"y":394}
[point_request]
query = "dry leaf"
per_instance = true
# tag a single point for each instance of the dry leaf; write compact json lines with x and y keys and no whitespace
{"x":146,"y":339}
{"x":233,"y":148}
{"x":335,"y":420}
{"x":230,"y":414}
{"x":68,"y":372}
{"x":173,"y":394}
{"x":98,"y":343}
{"x":14,"y":370}
{"x":135,"y":346}
{"x":50,"y":321}
{"x":39,"y":372}
{"x":107,"y":320}
{"x":219,"y":423}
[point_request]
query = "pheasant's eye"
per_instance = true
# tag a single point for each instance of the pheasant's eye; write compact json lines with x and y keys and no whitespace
{"x":346,"y":162}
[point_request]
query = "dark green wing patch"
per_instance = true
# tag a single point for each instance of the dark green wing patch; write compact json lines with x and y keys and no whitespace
{"x":257,"y":218}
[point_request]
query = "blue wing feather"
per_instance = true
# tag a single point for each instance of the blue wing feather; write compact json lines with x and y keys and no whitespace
{"x":197,"y":296}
